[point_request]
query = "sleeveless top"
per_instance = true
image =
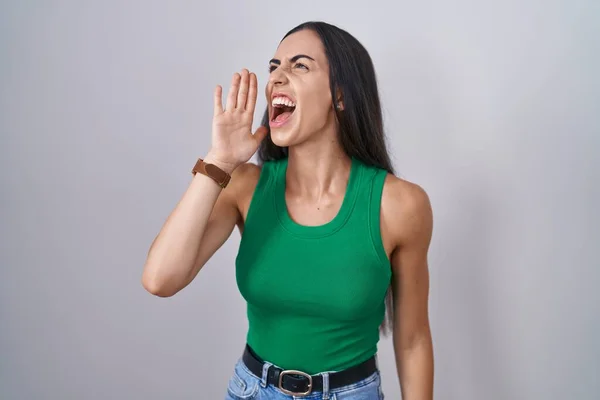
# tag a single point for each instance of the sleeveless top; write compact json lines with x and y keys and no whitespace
{"x":315,"y":294}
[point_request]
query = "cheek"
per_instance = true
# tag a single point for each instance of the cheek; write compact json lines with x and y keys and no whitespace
{"x":317,"y":103}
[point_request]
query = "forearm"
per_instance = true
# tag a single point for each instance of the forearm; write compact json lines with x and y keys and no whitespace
{"x":172,"y":256}
{"x":416,"y":368}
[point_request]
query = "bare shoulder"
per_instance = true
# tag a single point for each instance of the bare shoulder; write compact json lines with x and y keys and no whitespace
{"x":242,"y":178}
{"x":406,"y":212}
{"x":245,"y":172}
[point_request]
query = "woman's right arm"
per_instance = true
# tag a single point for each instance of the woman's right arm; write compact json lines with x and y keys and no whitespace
{"x":198,"y":226}
{"x":206,"y":214}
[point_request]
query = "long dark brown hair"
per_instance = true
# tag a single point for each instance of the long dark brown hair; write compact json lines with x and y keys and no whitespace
{"x":361,"y":131}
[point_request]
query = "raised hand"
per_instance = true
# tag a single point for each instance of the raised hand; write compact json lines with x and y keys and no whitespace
{"x":233,"y":142}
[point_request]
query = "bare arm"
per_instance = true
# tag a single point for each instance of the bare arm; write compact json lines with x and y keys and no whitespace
{"x":206,"y":214}
{"x":411,"y":225}
{"x":198,"y":226}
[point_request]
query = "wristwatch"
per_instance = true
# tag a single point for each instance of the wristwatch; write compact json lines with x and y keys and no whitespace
{"x":217,"y":174}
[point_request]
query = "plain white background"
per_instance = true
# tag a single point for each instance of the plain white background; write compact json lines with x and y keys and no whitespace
{"x":492,"y":107}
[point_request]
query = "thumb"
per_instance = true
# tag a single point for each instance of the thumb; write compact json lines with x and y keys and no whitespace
{"x":261,"y":133}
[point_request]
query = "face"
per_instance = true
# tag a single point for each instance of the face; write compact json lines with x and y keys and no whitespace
{"x":298,"y":92}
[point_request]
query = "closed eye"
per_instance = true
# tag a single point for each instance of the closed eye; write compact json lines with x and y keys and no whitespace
{"x":300,"y":65}
{"x":272,"y":67}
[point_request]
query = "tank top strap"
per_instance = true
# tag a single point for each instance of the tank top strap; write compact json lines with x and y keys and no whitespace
{"x":375,"y":196}
{"x":262,"y":192}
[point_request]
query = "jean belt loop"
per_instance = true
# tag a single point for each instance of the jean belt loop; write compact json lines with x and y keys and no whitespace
{"x":265,"y":374}
{"x":325,"y":376}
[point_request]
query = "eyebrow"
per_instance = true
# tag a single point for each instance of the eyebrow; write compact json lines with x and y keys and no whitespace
{"x":293,"y":59}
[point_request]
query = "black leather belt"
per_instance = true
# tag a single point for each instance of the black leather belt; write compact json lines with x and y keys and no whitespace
{"x":298,"y":383}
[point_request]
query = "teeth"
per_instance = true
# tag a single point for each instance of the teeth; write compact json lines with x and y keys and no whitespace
{"x":283,"y":101}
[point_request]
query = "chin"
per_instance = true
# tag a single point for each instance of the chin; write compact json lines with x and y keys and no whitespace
{"x":283,"y":137}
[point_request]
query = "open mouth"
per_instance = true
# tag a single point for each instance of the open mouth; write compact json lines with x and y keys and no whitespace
{"x":283,"y":108}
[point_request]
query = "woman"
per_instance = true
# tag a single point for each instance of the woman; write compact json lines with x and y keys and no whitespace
{"x":327,"y":229}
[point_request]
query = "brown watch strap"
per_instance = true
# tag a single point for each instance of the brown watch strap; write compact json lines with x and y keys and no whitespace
{"x":212,"y":171}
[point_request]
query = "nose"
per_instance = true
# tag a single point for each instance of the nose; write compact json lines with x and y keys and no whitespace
{"x":278,"y":76}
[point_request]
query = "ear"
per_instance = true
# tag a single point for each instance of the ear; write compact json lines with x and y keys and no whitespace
{"x":340,"y":100}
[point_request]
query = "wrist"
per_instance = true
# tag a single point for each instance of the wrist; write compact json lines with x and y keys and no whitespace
{"x":225,"y":166}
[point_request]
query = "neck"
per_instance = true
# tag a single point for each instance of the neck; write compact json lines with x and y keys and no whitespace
{"x":318,"y":168}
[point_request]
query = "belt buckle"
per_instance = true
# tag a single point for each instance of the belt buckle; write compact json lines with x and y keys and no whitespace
{"x":295,"y":372}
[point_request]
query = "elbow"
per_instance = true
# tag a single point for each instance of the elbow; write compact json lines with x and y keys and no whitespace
{"x":156,"y":286}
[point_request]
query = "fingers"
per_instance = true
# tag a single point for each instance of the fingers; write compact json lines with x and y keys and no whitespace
{"x":252,"y":93}
{"x":242,"y":94}
{"x":233,"y":92}
{"x":218,"y":101}
{"x":243,"y":91}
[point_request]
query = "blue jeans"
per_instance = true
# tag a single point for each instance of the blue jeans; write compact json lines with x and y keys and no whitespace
{"x":244,"y":385}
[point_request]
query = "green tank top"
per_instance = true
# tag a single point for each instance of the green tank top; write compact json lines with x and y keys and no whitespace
{"x":315,"y":294}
